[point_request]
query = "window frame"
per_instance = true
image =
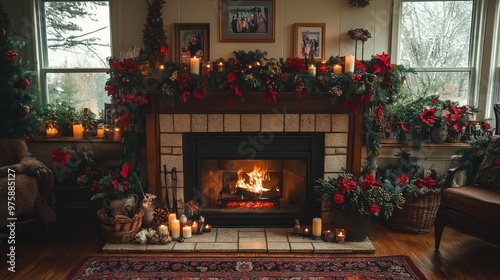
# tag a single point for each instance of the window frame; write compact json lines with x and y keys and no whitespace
{"x":477,"y":33}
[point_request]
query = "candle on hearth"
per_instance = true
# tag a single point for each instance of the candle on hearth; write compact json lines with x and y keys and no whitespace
{"x":176,"y":229}
{"x":306,"y":232}
{"x":186,"y":232}
{"x":337,"y":69}
{"x":162,"y":230}
{"x":328,"y":235}
{"x":78,"y":131}
{"x":194,"y":64}
{"x":171,"y":218}
{"x":316,"y":225}
{"x":207,"y":228}
{"x":194,"y":227}
{"x":312,"y":70}
{"x":117,"y":136}
{"x":349,"y":63}
{"x":340,"y":235}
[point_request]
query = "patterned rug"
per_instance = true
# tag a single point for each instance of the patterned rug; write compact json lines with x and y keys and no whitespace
{"x":114,"y":267}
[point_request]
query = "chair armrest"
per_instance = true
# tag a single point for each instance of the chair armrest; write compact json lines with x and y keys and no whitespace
{"x":448,"y":182}
{"x":45,"y":179}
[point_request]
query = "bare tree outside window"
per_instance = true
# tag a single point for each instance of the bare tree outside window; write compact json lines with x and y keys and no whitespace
{"x":435,"y":40}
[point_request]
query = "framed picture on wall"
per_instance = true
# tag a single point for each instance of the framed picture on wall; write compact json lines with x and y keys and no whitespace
{"x":191,"y":39}
{"x":309,"y":37}
{"x":247,"y":21}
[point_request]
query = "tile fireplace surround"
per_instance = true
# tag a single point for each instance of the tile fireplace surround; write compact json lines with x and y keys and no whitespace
{"x":165,"y":128}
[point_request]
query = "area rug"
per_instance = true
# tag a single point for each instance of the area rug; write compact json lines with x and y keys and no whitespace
{"x":239,"y":268}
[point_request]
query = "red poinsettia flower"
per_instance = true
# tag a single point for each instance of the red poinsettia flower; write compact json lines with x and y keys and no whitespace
{"x":125,"y":118}
{"x":323,"y":69}
{"x":338,"y":198}
{"x":141,"y":100}
{"x":383,"y":65}
{"x":284,"y":77}
{"x":111,"y":89}
{"x":403,"y":179}
{"x":374,"y":209}
{"x":355,"y":103}
{"x":125,"y":169}
{"x":120,"y":100}
{"x":130,"y":98}
{"x":199,"y":93}
{"x":231,"y":77}
{"x":270,"y":95}
{"x":356,"y":77}
{"x":163,"y":50}
{"x":185,"y":96}
{"x":427,"y":182}
{"x":485,"y":126}
{"x":296,"y":65}
{"x":116,"y":184}
{"x":359,"y":65}
{"x":60,"y":157}
{"x":183,"y":79}
{"x":369,"y":181}
{"x":427,"y":116}
{"x":346,"y":186}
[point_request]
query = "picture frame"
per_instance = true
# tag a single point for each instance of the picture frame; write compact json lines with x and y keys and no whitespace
{"x":191,"y":39}
{"x":247,"y":21}
{"x":307,"y":37}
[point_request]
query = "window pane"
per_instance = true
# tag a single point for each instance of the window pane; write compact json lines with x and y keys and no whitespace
{"x":81,"y":90}
{"x":449,"y":85}
{"x":435,"y":33}
{"x":77,"y":34}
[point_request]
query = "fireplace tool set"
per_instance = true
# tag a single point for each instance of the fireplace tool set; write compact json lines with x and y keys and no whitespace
{"x":173,"y":174}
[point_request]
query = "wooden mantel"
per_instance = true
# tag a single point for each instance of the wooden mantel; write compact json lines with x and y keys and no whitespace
{"x":221,"y":103}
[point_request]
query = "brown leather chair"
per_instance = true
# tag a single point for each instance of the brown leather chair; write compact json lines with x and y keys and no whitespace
{"x":474,"y":208}
{"x":29,"y":181}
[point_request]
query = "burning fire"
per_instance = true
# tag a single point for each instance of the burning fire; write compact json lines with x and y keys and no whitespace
{"x":255,"y":180}
{"x":250,"y":204}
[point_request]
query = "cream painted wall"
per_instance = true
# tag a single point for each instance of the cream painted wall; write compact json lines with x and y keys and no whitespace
{"x":338,"y":16}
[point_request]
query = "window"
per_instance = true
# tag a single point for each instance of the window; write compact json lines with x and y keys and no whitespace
{"x":436,"y":39}
{"x":75,"y":45}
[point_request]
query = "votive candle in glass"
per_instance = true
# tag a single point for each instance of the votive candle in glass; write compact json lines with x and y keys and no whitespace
{"x":340,"y":235}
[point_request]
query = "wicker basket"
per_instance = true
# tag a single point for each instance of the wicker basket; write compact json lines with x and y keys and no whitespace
{"x":120,"y":229}
{"x":417,"y":215}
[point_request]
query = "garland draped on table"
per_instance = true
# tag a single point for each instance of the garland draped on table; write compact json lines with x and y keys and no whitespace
{"x":373,"y":84}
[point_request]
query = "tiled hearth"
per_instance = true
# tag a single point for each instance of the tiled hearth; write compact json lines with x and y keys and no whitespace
{"x":251,"y":240}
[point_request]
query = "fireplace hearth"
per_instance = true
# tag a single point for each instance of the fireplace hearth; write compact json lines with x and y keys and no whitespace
{"x":253,"y":179}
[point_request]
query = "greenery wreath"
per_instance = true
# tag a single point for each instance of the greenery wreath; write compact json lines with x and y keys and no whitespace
{"x":359,"y":3}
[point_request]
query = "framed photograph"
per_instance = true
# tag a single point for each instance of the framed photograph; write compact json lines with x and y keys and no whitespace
{"x":309,"y":37}
{"x":247,"y":21}
{"x":191,"y":39}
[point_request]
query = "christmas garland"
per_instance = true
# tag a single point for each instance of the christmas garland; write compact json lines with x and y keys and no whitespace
{"x":359,"y":3}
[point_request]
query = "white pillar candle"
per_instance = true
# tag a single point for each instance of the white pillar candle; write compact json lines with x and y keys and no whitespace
{"x":176,"y":229}
{"x":337,"y":69}
{"x":186,"y":231}
{"x":78,"y":131}
{"x":171,"y":218}
{"x":194,"y":64}
{"x":349,"y":63}
{"x":316,"y":227}
{"x":162,"y":230}
{"x":312,"y":70}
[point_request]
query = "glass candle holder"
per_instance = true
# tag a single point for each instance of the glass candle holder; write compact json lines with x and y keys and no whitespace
{"x":328,"y":235}
{"x":340,"y":235}
{"x":306,"y":232}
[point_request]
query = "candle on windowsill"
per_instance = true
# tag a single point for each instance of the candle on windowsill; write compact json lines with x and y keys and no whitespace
{"x":162,"y":230}
{"x":194,"y":227}
{"x":340,"y":235}
{"x":316,"y":227}
{"x":337,"y":69}
{"x":207,"y":228}
{"x":117,"y":136}
{"x":176,"y":229}
{"x":77,"y":131}
{"x":306,"y":232}
{"x":51,"y":132}
{"x":186,"y":232}
{"x":349,"y":63}
{"x":194,"y":64}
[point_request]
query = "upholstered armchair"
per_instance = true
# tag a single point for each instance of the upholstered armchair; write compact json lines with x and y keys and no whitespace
{"x":34,"y":185}
{"x":474,"y":208}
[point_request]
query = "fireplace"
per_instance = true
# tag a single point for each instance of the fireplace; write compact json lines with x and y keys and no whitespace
{"x":253,"y":179}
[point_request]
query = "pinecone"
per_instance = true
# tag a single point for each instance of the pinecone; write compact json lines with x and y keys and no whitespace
{"x":160,"y":216}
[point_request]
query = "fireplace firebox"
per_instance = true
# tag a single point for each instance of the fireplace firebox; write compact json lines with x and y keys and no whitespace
{"x":253,"y":179}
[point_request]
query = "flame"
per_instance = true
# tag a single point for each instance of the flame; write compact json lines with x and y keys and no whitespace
{"x":255,"y":180}
{"x":250,"y":204}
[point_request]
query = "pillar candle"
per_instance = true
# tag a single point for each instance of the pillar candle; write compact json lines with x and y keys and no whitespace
{"x":162,"y":230}
{"x":176,"y":229}
{"x":316,"y":225}
{"x":100,"y":133}
{"x":117,"y":136}
{"x":349,"y":63}
{"x":77,"y":131}
{"x":337,"y":69}
{"x":186,"y":231}
{"x":194,"y":227}
{"x":312,"y":70}
{"x":194,"y":64}
{"x":171,"y":218}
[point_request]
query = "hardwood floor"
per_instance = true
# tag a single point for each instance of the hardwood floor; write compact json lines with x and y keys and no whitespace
{"x":75,"y":237}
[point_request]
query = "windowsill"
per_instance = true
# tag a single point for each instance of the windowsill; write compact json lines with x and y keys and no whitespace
{"x":44,"y":139}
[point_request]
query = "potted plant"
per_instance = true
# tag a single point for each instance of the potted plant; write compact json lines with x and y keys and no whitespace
{"x":421,"y":188}
{"x":355,"y":200}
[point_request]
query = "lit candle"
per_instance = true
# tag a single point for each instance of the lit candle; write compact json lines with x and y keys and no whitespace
{"x":349,"y":63}
{"x":194,"y":64}
{"x":312,"y":70}
{"x":207,"y":68}
{"x":194,"y":227}
{"x":207,"y":228}
{"x":220,"y":67}
{"x":340,"y":235}
{"x":316,"y":225}
{"x":186,"y":232}
{"x":162,"y":230}
{"x":100,"y":133}
{"x":176,"y":229}
{"x":337,"y":69}
{"x":161,"y":67}
{"x":328,"y":235}
{"x":77,"y":131}
{"x":306,"y":232}
{"x":117,"y":136}
{"x":51,"y":132}
{"x":171,"y":218}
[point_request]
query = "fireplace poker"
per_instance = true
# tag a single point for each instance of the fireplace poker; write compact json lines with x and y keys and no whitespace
{"x":173,"y":174}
